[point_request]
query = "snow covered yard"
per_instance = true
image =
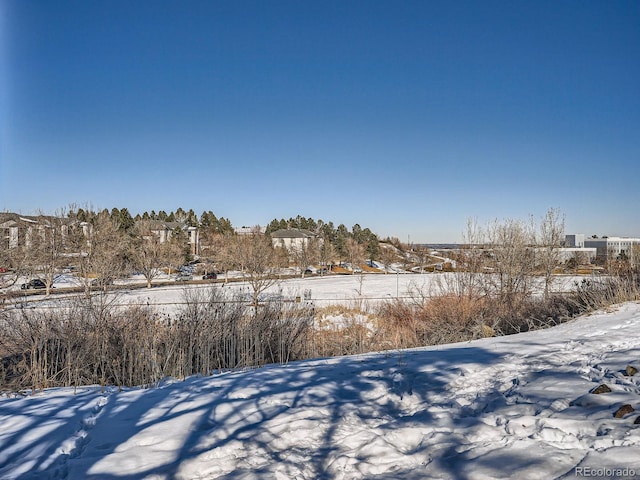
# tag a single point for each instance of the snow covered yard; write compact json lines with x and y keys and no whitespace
{"x":505,"y":407}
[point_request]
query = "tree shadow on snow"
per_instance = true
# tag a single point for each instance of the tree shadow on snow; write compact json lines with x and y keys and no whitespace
{"x":360,"y":416}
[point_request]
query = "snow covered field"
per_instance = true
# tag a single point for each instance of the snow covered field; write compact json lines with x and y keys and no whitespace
{"x":506,"y":407}
{"x":327,"y":290}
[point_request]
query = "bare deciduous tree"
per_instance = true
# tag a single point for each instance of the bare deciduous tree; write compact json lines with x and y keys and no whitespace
{"x":468,"y":280}
{"x":512,"y":258}
{"x":47,"y":248}
{"x":326,"y":254}
{"x":421,"y":254}
{"x":549,"y":244}
{"x":354,"y":253}
{"x":15,"y":261}
{"x":255,"y":257}
{"x":305,"y":254}
{"x":216,"y":252}
{"x":148,"y":254}
{"x":107,"y":248}
{"x":388,"y":255}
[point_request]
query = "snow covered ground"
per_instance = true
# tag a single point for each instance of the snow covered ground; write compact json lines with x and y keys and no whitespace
{"x":327,"y":290}
{"x":506,"y":407}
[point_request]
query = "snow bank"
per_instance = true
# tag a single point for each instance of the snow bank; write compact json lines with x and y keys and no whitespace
{"x":508,"y":407}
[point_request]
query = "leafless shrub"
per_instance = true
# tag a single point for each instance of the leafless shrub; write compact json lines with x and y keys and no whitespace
{"x":92,"y":342}
{"x":532,"y":313}
{"x":452,"y":318}
{"x":343,"y":330}
{"x":442,"y":319}
{"x":596,"y":293}
{"x":41,"y":349}
{"x":400,"y":325}
{"x":350,"y":339}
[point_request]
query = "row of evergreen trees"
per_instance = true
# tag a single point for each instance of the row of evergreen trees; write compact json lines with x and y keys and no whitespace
{"x":207,"y":219}
{"x":336,"y":236}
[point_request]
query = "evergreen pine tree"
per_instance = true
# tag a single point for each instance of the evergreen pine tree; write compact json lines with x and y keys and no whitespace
{"x":192,"y":218}
{"x":273,"y":226}
{"x":225,"y":226}
{"x":81,"y":215}
{"x":341,"y":237}
{"x":126,"y":220}
{"x":356,"y":233}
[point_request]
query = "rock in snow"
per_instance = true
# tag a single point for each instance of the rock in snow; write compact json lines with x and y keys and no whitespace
{"x":601,"y":389}
{"x":623,"y":411}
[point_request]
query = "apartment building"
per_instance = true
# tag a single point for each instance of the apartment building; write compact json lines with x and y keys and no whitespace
{"x":19,"y":230}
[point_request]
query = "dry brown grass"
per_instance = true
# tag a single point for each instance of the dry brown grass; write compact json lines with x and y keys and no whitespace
{"x":341,"y":270}
{"x":334,"y":310}
{"x":443,"y":319}
{"x":369,"y":269}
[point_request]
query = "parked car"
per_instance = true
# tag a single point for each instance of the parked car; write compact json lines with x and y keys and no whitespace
{"x":187,"y":269}
{"x":209,"y":276}
{"x":184,"y":277}
{"x":101,"y":282}
{"x":34,"y":283}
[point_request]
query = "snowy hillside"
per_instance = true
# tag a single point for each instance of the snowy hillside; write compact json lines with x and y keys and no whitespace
{"x":507,"y":407}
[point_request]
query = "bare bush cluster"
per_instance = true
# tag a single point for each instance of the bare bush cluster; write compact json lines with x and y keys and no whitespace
{"x":596,"y":293}
{"x":348,"y":330}
{"x":454,"y":318}
{"x":95,"y":343}
{"x":450,"y":318}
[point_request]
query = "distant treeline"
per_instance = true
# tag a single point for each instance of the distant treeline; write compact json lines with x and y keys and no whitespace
{"x":327,"y":231}
{"x":337,"y":236}
{"x":207,"y":219}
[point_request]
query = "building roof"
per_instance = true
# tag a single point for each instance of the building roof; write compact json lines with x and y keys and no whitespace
{"x":163,"y":225}
{"x":293,"y":233}
{"x":250,"y":230}
{"x":46,"y":220}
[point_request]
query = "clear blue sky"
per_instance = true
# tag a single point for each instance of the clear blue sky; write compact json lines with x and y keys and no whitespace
{"x":407,"y":117}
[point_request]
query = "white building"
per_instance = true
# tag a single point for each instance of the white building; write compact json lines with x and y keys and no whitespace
{"x":292,"y":239}
{"x":164,"y":231}
{"x":574,"y":247}
{"x":20,"y":230}
{"x":612,"y":247}
{"x":255,"y":230}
